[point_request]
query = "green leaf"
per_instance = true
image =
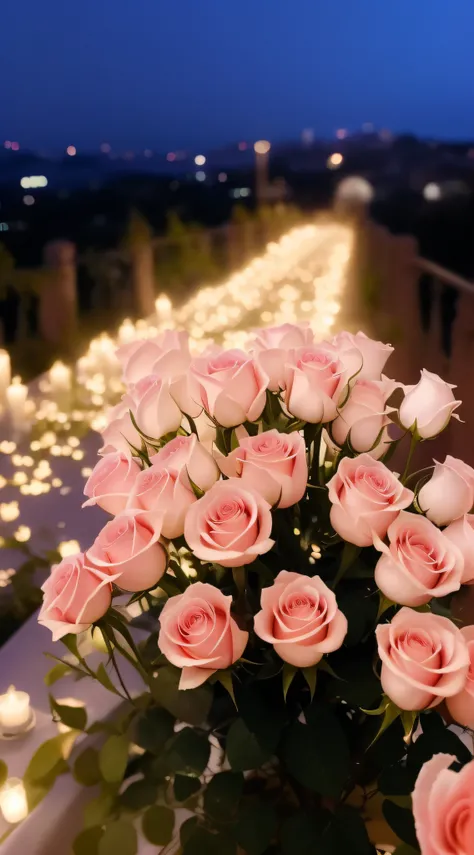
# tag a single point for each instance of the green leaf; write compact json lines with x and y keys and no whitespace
{"x":104,"y":679}
{"x":405,"y":849}
{"x":436,"y":738}
{"x":310,"y":675}
{"x":196,"y":490}
{"x":189,"y":752}
{"x":113,"y":758}
{"x":349,"y":832}
{"x":154,"y":728}
{"x":98,"y":810}
{"x":243,"y":748}
{"x":222,"y":795}
{"x":317,"y":754}
{"x":390,"y":714}
{"x":46,"y":759}
{"x":400,"y":821}
{"x":185,"y":786}
{"x":62,"y":669}
{"x":191,"y":706}
{"x":384,"y":605}
{"x":256,"y":826}
{"x":3,"y":772}
{"x":225,"y":679}
{"x":395,"y":781}
{"x":203,"y":842}
{"x":86,"y":768}
{"x":288,"y":675}
{"x":73,"y":717}
{"x":87,"y":842}
{"x":187,"y":830}
{"x":300,"y":833}
{"x":360,"y":610}
{"x":139,"y":794}
{"x":358,"y":685}
{"x":350,"y":553}
{"x":119,"y":838}
{"x":158,"y":825}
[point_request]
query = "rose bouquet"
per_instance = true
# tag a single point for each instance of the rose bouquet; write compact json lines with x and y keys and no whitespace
{"x":299,"y":662}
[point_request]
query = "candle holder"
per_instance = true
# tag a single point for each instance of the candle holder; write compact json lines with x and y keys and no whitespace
{"x":17,"y":717}
{"x":13,"y":801}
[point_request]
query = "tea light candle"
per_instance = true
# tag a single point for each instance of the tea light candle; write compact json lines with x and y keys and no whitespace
{"x":163,"y":306}
{"x":16,"y":395}
{"x":13,"y":801}
{"x":126,"y":332}
{"x":15,"y":710}
{"x":5,"y":373}
{"x":60,"y":377}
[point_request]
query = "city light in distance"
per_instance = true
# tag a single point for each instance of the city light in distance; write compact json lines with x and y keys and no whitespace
{"x":148,"y":152}
{"x":28,"y":200}
{"x":15,"y":146}
{"x":171,"y":156}
{"x":342,"y":133}
{"x":199,"y":160}
{"x":106,"y":148}
{"x":334,"y":160}
{"x":432,"y":192}
{"x":30,"y":181}
{"x":243,"y":146}
{"x":262,"y":147}
{"x":71,"y":150}
{"x":240,"y":192}
{"x":200,"y":176}
{"x":222,"y":177}
{"x":7,"y":144}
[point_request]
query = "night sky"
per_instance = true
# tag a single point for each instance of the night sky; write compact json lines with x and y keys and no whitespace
{"x":200,"y":73}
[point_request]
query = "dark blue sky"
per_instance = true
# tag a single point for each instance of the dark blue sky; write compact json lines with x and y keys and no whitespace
{"x":197,"y":73}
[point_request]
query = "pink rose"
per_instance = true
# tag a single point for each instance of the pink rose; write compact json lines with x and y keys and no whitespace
{"x":461,"y":706}
{"x":272,"y":345}
{"x":119,"y":434}
{"x":419,"y":563}
{"x":314,"y":379}
{"x":374,"y":353}
{"x":111,"y":481}
{"x":424,"y":659}
{"x":185,"y":454}
{"x":300,"y":618}
{"x":273,"y":464}
{"x":430,"y":405}
{"x":449,"y":494}
{"x":443,"y":807}
{"x":167,"y":355}
{"x":165,"y":487}
{"x":366,"y":497}
{"x":461,"y":533}
{"x":230,"y":386}
{"x":74,"y":596}
{"x":128,"y":549}
{"x":199,"y":635}
{"x":155,"y":411}
{"x":230,"y":525}
{"x":365,"y":414}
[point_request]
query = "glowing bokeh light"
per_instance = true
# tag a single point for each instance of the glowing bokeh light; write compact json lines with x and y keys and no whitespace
{"x":71,"y":150}
{"x":199,"y":160}
{"x":262,"y":147}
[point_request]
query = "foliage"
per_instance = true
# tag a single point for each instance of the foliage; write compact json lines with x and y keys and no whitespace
{"x":268,"y":754}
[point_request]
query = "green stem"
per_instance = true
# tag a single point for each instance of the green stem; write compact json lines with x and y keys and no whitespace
{"x":127,"y":696}
{"x":133,"y":660}
{"x":413,"y":443}
{"x":349,"y":555}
